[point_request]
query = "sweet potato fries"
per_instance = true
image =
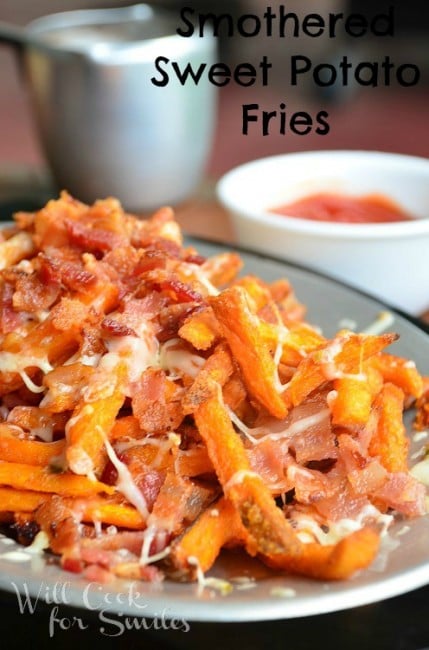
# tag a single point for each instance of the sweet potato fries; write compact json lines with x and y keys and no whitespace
{"x":156,"y":407}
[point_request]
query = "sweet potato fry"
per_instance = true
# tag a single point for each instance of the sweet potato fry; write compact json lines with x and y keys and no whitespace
{"x":345,"y":354}
{"x":193,"y":462}
{"x":257,"y":291}
{"x":389,"y":442}
{"x":339,"y":562}
{"x":91,"y":424}
{"x":55,"y":338}
{"x":241,"y":329}
{"x":200,"y":329}
{"x":103,"y":510}
{"x":14,"y":500}
{"x":114,"y":514}
{"x":125,"y":360}
{"x":16,"y":248}
{"x":29,"y":452}
{"x":64,"y":385}
{"x":297,"y":341}
{"x":215,"y":372}
{"x":422,"y":407}
{"x":269,"y":530}
{"x":401,"y":372}
{"x":41,"y":479}
{"x":200,"y":544}
{"x":222,"y":268}
{"x":126,"y":427}
{"x":352,"y":403}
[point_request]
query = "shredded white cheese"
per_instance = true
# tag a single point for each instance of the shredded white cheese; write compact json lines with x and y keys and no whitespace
{"x":420,"y":471}
{"x":383,"y":321}
{"x":238,"y":478}
{"x":223,"y":586}
{"x":173,"y":358}
{"x":125,"y":483}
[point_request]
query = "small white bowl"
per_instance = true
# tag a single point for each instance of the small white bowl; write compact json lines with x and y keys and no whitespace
{"x":388,"y":260}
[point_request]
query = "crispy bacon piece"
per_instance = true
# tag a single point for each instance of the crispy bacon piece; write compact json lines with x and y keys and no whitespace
{"x":156,"y":402}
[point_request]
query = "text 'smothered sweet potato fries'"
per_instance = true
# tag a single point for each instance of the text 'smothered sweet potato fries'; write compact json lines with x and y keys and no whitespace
{"x":156,"y":407}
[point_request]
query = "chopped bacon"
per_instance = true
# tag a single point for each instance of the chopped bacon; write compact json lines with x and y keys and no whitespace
{"x":402,"y":492}
{"x":344,"y":503}
{"x":10,"y":318}
{"x":93,"y":239}
{"x":180,"y":292}
{"x":70,"y":274}
{"x":113,"y":327}
{"x":72,"y":564}
{"x":57,"y":520}
{"x":137,"y":311}
{"x":139,"y":461}
{"x":269,"y":459}
{"x":172,"y":317}
{"x":149,"y":483}
{"x":95,"y":573}
{"x":32,"y":294}
{"x":194,"y":258}
{"x":170,"y":248}
{"x":152,"y":259}
{"x":156,"y":402}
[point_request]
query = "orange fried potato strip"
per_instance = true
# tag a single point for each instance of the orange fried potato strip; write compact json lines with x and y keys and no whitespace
{"x":41,"y":479}
{"x":246,"y":489}
{"x":353,"y":399}
{"x":15,"y":249}
{"x":241,"y":329}
{"x":29,"y":452}
{"x":104,"y":510}
{"x":200,"y":545}
{"x":401,"y":372}
{"x":14,"y":500}
{"x":339,"y":562}
{"x":91,"y":424}
{"x":343,"y":355}
{"x":389,"y":441}
{"x":217,"y":369}
{"x":200,"y":329}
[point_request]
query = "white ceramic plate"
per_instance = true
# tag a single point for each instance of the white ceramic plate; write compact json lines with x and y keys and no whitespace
{"x":402,"y":569}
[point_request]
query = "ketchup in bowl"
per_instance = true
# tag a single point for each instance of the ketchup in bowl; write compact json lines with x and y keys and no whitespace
{"x":340,"y":208}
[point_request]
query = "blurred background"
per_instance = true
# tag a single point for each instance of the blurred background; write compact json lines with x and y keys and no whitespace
{"x":387,"y":119}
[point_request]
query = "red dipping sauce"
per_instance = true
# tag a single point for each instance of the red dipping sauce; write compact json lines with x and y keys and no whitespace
{"x":340,"y":208}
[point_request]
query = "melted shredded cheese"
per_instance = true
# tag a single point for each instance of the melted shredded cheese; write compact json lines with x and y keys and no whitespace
{"x":198,"y":272}
{"x":283,"y":592}
{"x":242,"y":427}
{"x":223,"y":586}
{"x":176,"y":360}
{"x":17,"y":362}
{"x":34,"y":388}
{"x":326,"y":358}
{"x":308,"y":529}
{"x":298,"y":427}
{"x":148,"y":537}
{"x":420,"y":435}
{"x":420,"y":471}
{"x":125,"y":483}
{"x":282,"y":332}
{"x":383,"y":321}
{"x":238,"y":478}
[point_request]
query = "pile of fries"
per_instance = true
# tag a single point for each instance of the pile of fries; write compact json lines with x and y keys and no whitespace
{"x":157,"y":407}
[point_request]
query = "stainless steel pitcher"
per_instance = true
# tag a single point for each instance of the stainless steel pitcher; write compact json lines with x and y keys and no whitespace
{"x":106,"y":129}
